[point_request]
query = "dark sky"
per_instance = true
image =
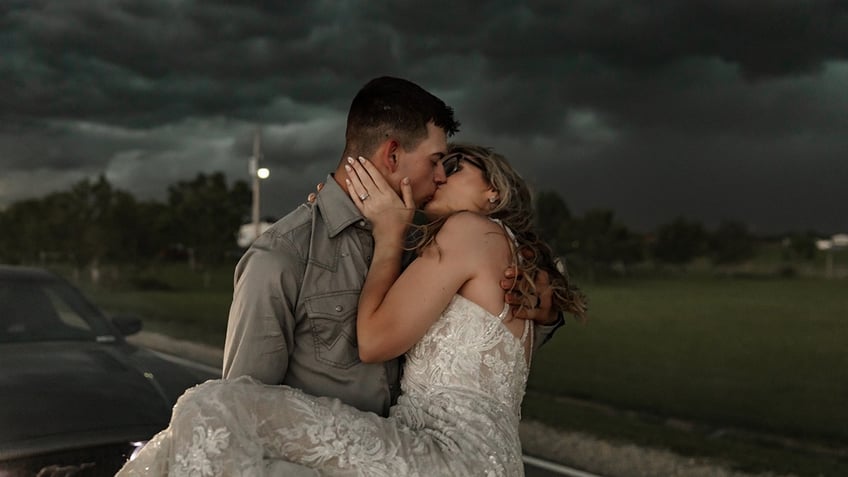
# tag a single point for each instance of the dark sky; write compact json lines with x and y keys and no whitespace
{"x":713,"y":110}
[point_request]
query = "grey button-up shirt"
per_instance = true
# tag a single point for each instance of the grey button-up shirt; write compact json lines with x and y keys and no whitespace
{"x":293,"y":316}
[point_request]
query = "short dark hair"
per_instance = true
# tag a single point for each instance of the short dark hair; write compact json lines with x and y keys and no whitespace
{"x":388,"y":106}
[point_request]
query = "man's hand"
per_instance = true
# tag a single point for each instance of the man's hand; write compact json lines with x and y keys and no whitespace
{"x":313,"y":195}
{"x":541,"y":313}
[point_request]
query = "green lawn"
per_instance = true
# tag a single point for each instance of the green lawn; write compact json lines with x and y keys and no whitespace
{"x":767,"y":355}
{"x":182,"y":303}
{"x":192,"y":315}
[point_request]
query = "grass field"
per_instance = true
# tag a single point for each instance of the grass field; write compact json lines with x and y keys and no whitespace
{"x":179,"y":302}
{"x":762,"y":355}
{"x":751,"y":371}
{"x":770,"y":354}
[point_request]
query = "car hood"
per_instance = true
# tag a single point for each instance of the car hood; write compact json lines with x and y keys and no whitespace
{"x":48,"y":390}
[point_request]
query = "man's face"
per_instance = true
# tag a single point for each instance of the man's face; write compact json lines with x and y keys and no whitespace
{"x":423,"y":164}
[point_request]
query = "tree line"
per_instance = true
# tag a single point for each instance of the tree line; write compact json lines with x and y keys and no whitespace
{"x":93,"y":222}
{"x":597,"y":242}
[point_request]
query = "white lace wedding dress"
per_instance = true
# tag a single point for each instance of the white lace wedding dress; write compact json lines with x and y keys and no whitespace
{"x":457,"y":415}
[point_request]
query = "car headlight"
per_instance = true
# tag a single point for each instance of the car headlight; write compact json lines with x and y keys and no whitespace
{"x":137,"y":445}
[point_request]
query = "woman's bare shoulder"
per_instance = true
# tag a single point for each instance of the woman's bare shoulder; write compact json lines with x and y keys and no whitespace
{"x":469,"y":230}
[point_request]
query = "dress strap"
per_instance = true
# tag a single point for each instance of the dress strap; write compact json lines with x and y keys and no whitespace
{"x":526,"y":333}
{"x":512,"y":242}
{"x":528,"y":324}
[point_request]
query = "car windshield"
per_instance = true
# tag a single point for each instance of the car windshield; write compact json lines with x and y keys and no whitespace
{"x":47,"y":310}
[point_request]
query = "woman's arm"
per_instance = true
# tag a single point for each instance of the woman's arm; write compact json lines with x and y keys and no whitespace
{"x":390,"y":320}
{"x":396,"y":310}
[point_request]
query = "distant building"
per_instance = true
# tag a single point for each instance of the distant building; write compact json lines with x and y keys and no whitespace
{"x":247,"y":232}
{"x":837,"y":241}
{"x":823,"y":244}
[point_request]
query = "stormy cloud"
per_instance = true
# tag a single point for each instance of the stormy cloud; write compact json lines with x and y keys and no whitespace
{"x":654,"y":109}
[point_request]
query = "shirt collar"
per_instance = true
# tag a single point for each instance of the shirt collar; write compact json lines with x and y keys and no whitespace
{"x":337,"y":210}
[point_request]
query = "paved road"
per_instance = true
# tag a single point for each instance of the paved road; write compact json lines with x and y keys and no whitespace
{"x":535,"y":467}
{"x":533,"y":471}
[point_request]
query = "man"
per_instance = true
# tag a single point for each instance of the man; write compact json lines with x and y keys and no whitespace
{"x":293,"y":316}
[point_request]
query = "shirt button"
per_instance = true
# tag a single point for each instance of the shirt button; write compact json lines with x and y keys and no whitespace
{"x":362,"y":223}
{"x":339,"y":308}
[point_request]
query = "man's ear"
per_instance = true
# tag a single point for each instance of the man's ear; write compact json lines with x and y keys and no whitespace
{"x":390,"y":158}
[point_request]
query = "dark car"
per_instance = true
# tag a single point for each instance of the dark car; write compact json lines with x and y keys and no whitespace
{"x":75,"y":397}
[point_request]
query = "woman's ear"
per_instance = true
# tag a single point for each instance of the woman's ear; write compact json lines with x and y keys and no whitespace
{"x":493,"y":196}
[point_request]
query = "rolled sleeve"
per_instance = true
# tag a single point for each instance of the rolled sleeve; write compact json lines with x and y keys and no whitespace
{"x":543,"y":333}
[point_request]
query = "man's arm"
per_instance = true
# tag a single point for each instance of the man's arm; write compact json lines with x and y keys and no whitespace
{"x":261,"y":323}
{"x":542,"y":333}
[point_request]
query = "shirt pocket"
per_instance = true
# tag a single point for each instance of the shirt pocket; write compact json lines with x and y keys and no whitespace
{"x":332,"y":319}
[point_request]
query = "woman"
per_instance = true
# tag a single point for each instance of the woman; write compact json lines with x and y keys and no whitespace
{"x":466,"y":361}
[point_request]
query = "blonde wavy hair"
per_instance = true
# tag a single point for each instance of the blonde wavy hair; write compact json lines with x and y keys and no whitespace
{"x":514,"y":208}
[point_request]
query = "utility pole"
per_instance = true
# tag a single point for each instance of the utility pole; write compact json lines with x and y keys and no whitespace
{"x":254,"y":174}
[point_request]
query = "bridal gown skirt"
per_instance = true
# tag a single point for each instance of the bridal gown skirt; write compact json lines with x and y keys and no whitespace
{"x":458,"y":415}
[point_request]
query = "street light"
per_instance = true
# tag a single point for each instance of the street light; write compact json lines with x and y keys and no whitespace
{"x":256,"y":173}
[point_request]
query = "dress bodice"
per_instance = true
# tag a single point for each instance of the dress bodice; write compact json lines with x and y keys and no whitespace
{"x":469,"y":353}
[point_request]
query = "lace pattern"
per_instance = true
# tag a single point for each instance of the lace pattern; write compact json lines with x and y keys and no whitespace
{"x":198,"y":459}
{"x":457,"y":416}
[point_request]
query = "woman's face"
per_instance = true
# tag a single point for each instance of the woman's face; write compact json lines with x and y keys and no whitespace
{"x":465,"y":188}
